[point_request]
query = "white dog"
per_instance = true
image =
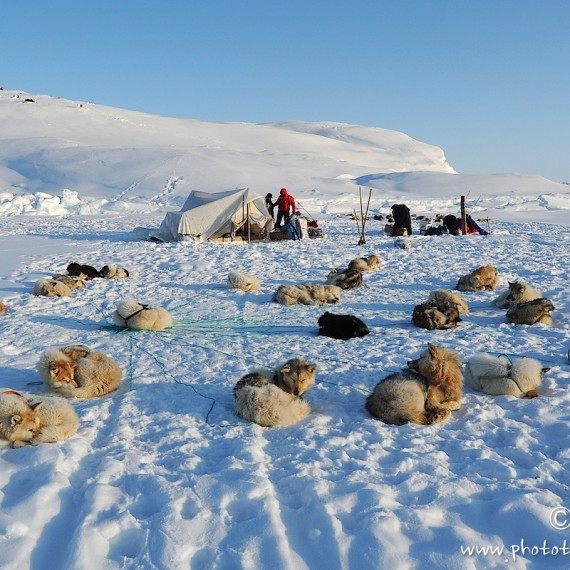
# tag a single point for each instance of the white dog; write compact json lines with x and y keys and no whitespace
{"x":307,"y":294}
{"x":34,"y":419}
{"x":134,"y":315}
{"x":114,"y":272}
{"x":243,"y":281}
{"x":274,"y":397}
{"x":77,"y":371}
{"x":518,"y":292}
{"x":51,"y":288}
{"x":501,"y":375}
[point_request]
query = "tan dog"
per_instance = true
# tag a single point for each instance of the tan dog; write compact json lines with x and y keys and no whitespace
{"x":501,"y":375}
{"x":51,"y":288}
{"x":18,"y":420}
{"x":518,"y":292}
{"x":273,"y":397}
{"x":531,"y":312}
{"x":307,"y":294}
{"x":71,"y":281}
{"x":443,"y":297}
{"x":483,"y":278}
{"x":2,"y":308}
{"x":370,"y":263}
{"x":242,"y":281}
{"x":134,"y":315}
{"x":78,"y":372}
{"x":426,"y":393}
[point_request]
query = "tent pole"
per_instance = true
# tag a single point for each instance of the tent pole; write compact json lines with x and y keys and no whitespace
{"x":248,"y":223}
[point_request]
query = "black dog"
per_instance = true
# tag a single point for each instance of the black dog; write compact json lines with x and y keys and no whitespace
{"x":83,"y":271}
{"x":342,"y":327}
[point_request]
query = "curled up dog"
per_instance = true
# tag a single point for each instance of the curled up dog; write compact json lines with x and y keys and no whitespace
{"x":33,"y":419}
{"x":77,"y":371}
{"x":274,"y":397}
{"x":138,"y":316}
{"x":425,"y":393}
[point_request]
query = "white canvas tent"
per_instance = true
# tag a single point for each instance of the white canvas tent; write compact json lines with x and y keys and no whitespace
{"x":205,"y":215}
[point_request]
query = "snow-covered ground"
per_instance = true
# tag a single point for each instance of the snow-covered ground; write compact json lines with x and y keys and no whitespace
{"x":162,"y":474}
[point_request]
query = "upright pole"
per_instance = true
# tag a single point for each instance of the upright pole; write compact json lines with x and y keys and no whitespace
{"x":248,"y":223}
{"x":463,"y":216}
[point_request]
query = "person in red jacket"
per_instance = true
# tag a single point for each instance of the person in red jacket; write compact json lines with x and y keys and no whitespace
{"x":285,"y":207}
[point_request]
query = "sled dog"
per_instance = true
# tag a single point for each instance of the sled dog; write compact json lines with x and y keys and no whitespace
{"x":77,"y":371}
{"x":273,"y":397}
{"x":33,"y":419}
{"x":137,"y":316}
{"x":341,"y":327}
{"x":344,"y":278}
{"x":113,"y":272}
{"x":242,"y":281}
{"x":443,"y":297}
{"x":435,"y":315}
{"x":307,"y":294}
{"x":51,"y":288}
{"x":424,"y":393}
{"x":2,"y":308}
{"x":503,"y":375}
{"x":71,"y":281}
{"x":483,"y":278}
{"x":535,"y":311}
{"x":369,"y":263}
{"x":518,"y":292}
{"x":86,"y":272}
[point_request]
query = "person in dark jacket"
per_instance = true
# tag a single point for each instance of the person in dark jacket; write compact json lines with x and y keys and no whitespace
{"x":285,"y":207}
{"x":270,"y":205}
{"x":402,"y":220}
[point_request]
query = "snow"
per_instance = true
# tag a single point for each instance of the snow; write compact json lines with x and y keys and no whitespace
{"x":162,"y":474}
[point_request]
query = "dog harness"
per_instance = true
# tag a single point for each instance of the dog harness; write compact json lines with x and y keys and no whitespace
{"x":144,"y":308}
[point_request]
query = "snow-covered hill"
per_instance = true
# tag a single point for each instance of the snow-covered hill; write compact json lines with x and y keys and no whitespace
{"x":59,"y":156}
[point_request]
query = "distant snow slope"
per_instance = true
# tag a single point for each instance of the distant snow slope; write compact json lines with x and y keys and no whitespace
{"x":61,"y":157}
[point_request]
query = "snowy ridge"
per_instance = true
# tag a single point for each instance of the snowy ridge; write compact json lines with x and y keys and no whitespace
{"x":114,"y":161}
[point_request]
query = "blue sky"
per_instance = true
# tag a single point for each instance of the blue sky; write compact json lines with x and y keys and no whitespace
{"x":486,"y":80}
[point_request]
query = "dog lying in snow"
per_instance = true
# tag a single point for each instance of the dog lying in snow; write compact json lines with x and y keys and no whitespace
{"x":426,"y":393}
{"x":518,"y":292}
{"x":341,"y":327}
{"x":432,"y":315}
{"x":440,"y":311}
{"x":85,"y":272}
{"x":33,"y":419}
{"x":443,"y":297}
{"x":307,"y":294}
{"x":242,"y":281}
{"x":113,"y":272}
{"x":71,"y":281}
{"x":344,"y":278}
{"x":369,"y":263}
{"x":501,"y":375}
{"x":483,"y":278}
{"x":531,"y":312}
{"x":51,"y":288}
{"x":134,"y":315}
{"x":2,"y":308}
{"x":273,"y":397}
{"x":77,"y":371}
